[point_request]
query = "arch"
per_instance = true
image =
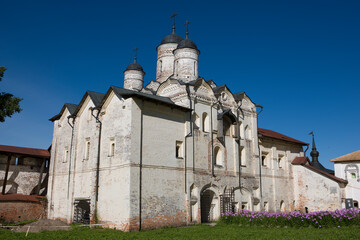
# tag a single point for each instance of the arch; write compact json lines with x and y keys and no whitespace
{"x":196,"y":120}
{"x":247,"y":132}
{"x":219,"y":159}
{"x":227,"y":126}
{"x":282,"y":206}
{"x":205,"y":122}
{"x":207,"y":206}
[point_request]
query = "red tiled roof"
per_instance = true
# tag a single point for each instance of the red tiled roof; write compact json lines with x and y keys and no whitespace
{"x":20,"y":197}
{"x":325,"y":174}
{"x":25,"y":151}
{"x":279,"y":136}
{"x":300,"y":161}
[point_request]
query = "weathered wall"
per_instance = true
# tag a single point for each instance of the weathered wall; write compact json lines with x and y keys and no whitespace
{"x":315,"y":191}
{"x":22,"y":178}
{"x":349,"y":171}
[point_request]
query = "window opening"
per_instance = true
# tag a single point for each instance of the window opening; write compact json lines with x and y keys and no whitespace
{"x":353,"y":175}
{"x":112,"y":149}
{"x":178,"y":150}
{"x":205,"y":122}
{"x":218,"y":156}
{"x":87,"y":150}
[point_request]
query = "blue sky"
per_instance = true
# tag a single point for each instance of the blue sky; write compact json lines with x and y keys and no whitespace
{"x":299,"y":59}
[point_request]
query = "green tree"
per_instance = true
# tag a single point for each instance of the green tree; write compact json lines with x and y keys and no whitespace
{"x":8,"y":103}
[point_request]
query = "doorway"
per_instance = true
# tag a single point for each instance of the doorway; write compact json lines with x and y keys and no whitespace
{"x":207,"y":206}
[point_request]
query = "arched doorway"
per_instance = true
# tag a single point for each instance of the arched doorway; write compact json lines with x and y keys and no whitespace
{"x":207,"y":206}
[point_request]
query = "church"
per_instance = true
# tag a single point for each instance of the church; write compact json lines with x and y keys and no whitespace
{"x":177,"y":151}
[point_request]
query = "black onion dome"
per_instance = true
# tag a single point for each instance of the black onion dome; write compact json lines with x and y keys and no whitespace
{"x":187,"y":43}
{"x":171,"y":38}
{"x":134,"y":66}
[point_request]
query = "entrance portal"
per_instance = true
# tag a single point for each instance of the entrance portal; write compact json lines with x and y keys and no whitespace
{"x":207,"y":207}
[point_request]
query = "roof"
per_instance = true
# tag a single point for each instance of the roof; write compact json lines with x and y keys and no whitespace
{"x":34,"y":152}
{"x":325,"y":174}
{"x":20,"y":198}
{"x":305,"y":161}
{"x":279,"y":136}
{"x":171,"y":38}
{"x":300,"y":161}
{"x":351,"y":157}
{"x":126,"y":93}
{"x":95,"y":97}
{"x":71,"y":108}
{"x":187,"y":43}
{"x":134,"y":66}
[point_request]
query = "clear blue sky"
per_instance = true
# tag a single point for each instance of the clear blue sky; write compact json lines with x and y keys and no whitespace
{"x":299,"y":59}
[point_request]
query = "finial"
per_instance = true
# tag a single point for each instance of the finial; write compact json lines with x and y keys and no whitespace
{"x":313,"y":140}
{"x":135,"y":50}
{"x":187,"y":29}
{"x":173,"y":17}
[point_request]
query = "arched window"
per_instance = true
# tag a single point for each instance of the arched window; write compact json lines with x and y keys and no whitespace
{"x":247,"y":132}
{"x":205,"y":122}
{"x":218,"y":156}
{"x":196,"y":120}
{"x":160,"y":67}
{"x":282,"y":206}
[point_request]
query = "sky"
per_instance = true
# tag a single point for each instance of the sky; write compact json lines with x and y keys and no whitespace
{"x":299,"y":59}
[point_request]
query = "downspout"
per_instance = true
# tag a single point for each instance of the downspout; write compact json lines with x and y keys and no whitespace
{"x":98,"y":159}
{"x":239,"y":143}
{"x":307,"y":147}
{"x":188,"y":135}
{"x":140,"y":163}
{"x":257,"y":127}
{"x":212,"y":139}
{"x":71,"y":143}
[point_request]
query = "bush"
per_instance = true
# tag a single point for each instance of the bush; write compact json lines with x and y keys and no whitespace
{"x":319,"y":219}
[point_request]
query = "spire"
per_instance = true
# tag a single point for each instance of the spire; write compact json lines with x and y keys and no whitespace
{"x":135,"y":50}
{"x":314,"y":153}
{"x":173,"y":26}
{"x":187,"y":29}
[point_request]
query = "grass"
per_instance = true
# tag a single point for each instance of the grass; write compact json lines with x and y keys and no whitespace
{"x":220,"y":231}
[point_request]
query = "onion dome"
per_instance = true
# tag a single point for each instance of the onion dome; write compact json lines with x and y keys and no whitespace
{"x":135,"y":65}
{"x":187,"y":43}
{"x":171,"y":38}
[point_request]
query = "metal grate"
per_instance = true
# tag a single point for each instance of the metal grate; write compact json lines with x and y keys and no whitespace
{"x":82,"y":211}
{"x":227,"y":201}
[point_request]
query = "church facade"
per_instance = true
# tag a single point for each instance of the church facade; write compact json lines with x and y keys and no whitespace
{"x":177,"y":151}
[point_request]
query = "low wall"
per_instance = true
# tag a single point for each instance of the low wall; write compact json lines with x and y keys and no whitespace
{"x":16,"y":207}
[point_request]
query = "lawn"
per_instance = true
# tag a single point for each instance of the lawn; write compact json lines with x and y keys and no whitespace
{"x":220,"y":231}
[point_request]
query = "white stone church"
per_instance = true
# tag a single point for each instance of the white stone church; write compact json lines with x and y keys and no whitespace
{"x":177,"y":151}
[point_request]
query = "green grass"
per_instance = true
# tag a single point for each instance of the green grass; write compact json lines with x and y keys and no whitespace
{"x":220,"y":231}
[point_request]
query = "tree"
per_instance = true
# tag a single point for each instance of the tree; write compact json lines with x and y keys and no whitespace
{"x":8,"y":103}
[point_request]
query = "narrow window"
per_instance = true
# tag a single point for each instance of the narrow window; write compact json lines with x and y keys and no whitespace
{"x":87,"y":150}
{"x":280,"y":160}
{"x":205,"y":122}
{"x":282,"y":206}
{"x":66,"y":155}
{"x":17,"y":161}
{"x":243,"y":156}
{"x":194,"y":68}
{"x":160,"y":67}
{"x":218,"y":156}
{"x":266,"y":206}
{"x":227,"y":126}
{"x":178,"y":149}
{"x":112,"y":149}
{"x":264,"y":158}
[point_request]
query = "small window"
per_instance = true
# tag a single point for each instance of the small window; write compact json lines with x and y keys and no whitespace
{"x":353,"y":175}
{"x":179,"y":150}
{"x":282,"y":206}
{"x":243,"y":156}
{"x":112,"y":149}
{"x":264,"y":156}
{"x":356,"y":204}
{"x":266,"y":206}
{"x":66,"y":155}
{"x":160,"y":66}
{"x":205,"y":123}
{"x":244,"y":205}
{"x":87,"y":150}
{"x":218,"y":156}
{"x":280,"y":160}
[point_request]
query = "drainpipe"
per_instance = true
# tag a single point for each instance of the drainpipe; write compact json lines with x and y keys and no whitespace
{"x":257,"y":127}
{"x":188,"y":135}
{"x":98,"y":158}
{"x":239,"y":143}
{"x":212,"y":139}
{"x":71,"y":143}
{"x":141,"y":158}
{"x":307,"y":147}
